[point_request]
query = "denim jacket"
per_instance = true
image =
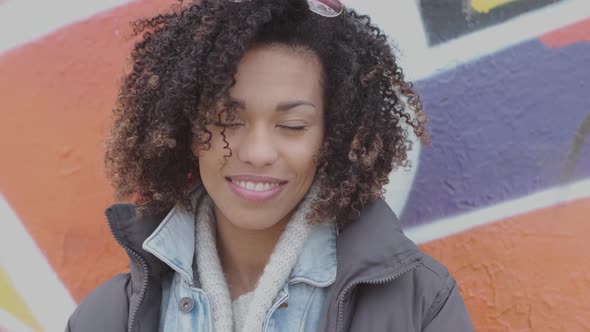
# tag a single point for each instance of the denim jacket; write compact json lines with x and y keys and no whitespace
{"x":185,"y":307}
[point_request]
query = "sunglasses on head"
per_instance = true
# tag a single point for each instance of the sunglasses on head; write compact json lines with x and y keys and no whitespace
{"x":326,"y":8}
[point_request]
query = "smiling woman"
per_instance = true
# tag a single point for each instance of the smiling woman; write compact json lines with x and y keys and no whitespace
{"x":274,"y":139}
{"x":255,"y":138}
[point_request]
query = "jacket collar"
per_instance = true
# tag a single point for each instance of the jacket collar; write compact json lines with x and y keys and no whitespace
{"x":316,"y":264}
{"x":371,"y":250}
{"x":372,"y":246}
{"x":171,"y":241}
{"x":130,"y":229}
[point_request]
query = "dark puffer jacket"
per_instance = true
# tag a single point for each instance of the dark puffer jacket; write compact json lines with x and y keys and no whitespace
{"x":383,"y":283}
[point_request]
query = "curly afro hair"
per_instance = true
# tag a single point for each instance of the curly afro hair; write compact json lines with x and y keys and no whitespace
{"x":183,"y":66}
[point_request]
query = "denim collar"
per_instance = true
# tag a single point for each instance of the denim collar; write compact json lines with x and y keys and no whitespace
{"x":173,"y":243}
{"x":317,"y":264}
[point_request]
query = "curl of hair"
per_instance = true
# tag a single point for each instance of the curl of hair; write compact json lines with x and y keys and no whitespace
{"x":184,"y":65}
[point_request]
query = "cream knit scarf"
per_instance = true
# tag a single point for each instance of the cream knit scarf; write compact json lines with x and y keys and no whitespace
{"x":251,"y":307}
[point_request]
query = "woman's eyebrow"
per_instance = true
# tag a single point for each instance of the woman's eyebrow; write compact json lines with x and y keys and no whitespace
{"x":281,"y":107}
{"x":285,"y":106}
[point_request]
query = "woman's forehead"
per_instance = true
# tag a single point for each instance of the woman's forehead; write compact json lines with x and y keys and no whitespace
{"x":278,"y":75}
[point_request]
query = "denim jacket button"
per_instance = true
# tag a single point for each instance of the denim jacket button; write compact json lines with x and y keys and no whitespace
{"x":186,"y":304}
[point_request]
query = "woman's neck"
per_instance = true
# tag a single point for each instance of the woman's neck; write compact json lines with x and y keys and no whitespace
{"x":244,"y":253}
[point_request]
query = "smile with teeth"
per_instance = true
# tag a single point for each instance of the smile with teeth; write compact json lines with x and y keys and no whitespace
{"x":257,"y":187}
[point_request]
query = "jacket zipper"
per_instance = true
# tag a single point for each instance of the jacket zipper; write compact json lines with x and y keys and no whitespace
{"x":388,"y":279}
{"x":145,"y":269}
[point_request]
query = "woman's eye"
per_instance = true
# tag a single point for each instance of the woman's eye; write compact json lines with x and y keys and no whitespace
{"x":295,"y":128}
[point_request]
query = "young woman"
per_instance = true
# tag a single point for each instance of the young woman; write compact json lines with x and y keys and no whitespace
{"x":255,"y":138}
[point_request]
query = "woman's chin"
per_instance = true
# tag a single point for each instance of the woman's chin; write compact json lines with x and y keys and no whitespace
{"x":254,"y":222}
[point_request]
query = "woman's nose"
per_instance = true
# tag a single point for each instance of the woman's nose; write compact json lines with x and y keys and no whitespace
{"x":257,"y":148}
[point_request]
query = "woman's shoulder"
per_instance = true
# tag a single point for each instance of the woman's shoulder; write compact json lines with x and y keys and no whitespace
{"x":433,"y":280}
{"x":434,"y":292}
{"x":106,"y":308}
{"x":404,"y":273}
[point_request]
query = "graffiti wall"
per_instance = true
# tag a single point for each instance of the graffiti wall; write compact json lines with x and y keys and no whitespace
{"x":501,"y":197}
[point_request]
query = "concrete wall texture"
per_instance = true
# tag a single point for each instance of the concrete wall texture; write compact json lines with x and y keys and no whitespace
{"x":502,"y":197}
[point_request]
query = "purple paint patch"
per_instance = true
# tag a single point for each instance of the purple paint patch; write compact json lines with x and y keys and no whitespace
{"x":501,"y":127}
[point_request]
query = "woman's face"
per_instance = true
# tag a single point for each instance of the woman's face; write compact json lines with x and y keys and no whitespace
{"x":274,"y":139}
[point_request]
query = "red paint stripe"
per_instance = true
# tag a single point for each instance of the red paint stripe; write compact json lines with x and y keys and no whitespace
{"x":577,"y":32}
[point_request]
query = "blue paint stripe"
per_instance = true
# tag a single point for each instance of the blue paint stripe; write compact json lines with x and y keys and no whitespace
{"x":501,"y":128}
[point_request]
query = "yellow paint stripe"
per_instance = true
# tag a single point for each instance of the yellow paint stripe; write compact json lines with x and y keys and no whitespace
{"x":484,"y":6}
{"x":11,"y":302}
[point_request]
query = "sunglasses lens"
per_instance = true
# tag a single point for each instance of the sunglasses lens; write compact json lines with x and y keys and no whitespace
{"x":327,"y":8}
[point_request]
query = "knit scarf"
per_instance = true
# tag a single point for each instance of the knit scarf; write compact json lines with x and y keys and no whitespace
{"x":252,"y":307}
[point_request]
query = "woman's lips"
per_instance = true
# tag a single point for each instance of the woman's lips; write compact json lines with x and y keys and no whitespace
{"x":256,"y":189}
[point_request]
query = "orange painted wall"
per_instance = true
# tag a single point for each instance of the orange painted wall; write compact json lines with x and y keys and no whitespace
{"x":57,"y":94}
{"x":526,"y":273}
